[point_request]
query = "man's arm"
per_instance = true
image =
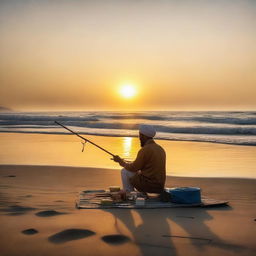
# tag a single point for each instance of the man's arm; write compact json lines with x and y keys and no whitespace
{"x":134,"y":166}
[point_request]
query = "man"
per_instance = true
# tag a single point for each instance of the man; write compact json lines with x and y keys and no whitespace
{"x":147,"y":173}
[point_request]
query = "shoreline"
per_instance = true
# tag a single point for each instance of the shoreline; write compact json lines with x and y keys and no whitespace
{"x":86,"y":168}
{"x":135,"y":136}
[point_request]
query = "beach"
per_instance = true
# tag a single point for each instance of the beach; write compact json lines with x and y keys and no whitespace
{"x":38,"y":193}
{"x":43,"y":198}
{"x":88,"y":87}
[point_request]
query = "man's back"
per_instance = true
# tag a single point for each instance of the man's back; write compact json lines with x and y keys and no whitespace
{"x":151,"y":161}
{"x":154,"y":167}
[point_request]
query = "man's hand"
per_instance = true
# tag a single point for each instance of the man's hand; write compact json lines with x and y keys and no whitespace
{"x":117,"y":159}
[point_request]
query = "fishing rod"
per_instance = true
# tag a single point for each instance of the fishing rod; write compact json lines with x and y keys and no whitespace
{"x":86,"y":140}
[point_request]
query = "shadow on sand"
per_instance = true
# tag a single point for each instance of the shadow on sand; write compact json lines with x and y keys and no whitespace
{"x":156,"y":232}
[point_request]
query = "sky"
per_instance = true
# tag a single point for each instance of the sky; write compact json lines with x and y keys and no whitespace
{"x":179,"y":55}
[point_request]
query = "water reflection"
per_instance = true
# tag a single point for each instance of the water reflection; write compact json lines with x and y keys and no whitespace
{"x":183,"y":158}
{"x":127,"y":147}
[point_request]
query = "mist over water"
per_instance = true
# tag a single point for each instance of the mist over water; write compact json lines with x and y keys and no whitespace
{"x":237,"y":128}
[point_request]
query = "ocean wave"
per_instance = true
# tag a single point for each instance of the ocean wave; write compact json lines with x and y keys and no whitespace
{"x":43,"y":118}
{"x":245,"y":140}
{"x":239,"y":118}
{"x":220,"y":126}
{"x":242,"y":118}
{"x":225,"y":130}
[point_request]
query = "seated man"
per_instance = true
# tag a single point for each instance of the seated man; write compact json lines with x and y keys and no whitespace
{"x":147,"y":173}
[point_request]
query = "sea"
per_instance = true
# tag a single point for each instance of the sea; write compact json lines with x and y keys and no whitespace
{"x":225,"y":127}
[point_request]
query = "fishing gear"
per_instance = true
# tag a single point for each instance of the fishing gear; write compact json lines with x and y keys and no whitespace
{"x":83,"y":143}
{"x":85,"y":140}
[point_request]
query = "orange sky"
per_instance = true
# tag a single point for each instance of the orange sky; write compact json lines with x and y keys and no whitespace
{"x":180,"y":54}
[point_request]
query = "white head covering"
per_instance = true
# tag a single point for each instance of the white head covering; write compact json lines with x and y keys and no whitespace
{"x":147,"y":130}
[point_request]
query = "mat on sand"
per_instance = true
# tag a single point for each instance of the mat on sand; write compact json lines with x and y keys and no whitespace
{"x":91,"y":199}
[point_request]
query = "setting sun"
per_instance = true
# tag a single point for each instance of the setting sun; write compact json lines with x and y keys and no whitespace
{"x":128,"y":91}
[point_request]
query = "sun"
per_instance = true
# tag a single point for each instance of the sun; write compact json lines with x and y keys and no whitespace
{"x":128,"y":91}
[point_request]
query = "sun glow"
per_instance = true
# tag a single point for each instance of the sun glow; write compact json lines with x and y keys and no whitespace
{"x":128,"y":91}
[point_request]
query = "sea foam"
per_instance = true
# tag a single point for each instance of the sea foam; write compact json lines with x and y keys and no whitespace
{"x":219,"y":127}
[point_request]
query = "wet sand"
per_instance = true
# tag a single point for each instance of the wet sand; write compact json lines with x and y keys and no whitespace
{"x":38,"y":217}
{"x":188,"y":159}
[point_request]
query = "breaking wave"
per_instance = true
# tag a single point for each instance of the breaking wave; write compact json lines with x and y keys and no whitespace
{"x":220,"y":127}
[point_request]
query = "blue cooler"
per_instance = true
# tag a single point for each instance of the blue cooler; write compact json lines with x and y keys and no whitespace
{"x":185,"y":195}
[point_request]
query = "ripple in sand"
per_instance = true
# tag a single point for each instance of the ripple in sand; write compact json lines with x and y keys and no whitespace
{"x":30,"y":231}
{"x":15,"y":213}
{"x":115,"y":239}
{"x":18,"y":209}
{"x":69,"y":235}
{"x":49,"y":213}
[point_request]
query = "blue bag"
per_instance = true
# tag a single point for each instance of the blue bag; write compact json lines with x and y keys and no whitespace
{"x":185,"y":195}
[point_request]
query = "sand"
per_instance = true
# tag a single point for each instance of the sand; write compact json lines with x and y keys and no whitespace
{"x":38,"y":217}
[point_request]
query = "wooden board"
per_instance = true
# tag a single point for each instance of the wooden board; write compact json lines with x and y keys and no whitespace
{"x":91,"y":199}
